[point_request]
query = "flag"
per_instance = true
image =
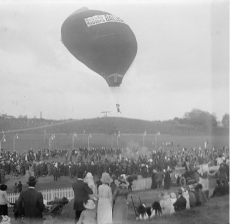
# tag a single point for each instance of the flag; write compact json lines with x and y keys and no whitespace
{"x":145,"y":133}
{"x":90,"y":136}
{"x":158,"y":133}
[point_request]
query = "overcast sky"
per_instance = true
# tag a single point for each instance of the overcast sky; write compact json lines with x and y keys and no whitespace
{"x":181,"y":63}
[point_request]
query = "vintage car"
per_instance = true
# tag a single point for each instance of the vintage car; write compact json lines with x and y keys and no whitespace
{"x":182,"y":177}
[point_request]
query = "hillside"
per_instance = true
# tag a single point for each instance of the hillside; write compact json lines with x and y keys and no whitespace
{"x":106,"y":125}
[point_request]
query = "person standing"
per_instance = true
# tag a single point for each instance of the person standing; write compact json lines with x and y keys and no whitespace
{"x":167,"y":179}
{"x":19,"y":186}
{"x":81,"y":194}
{"x":30,"y":203}
{"x":104,"y":210}
{"x":154,"y":184}
{"x":3,"y":200}
{"x":15,"y":188}
{"x":120,"y":209}
{"x":159,"y":179}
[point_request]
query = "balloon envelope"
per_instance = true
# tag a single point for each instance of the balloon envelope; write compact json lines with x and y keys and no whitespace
{"x":102,"y":41}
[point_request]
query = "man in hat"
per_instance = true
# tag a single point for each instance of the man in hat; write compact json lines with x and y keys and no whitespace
{"x":30,"y":203}
{"x":180,"y":203}
{"x":81,"y":194}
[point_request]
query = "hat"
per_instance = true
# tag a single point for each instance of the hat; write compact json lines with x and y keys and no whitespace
{"x":80,"y":174}
{"x":179,"y":191}
{"x":123,"y":181}
{"x":89,"y":204}
{"x":172,"y":195}
{"x":32,"y":180}
{"x":3,"y":187}
{"x":166,"y":195}
{"x":114,"y":177}
{"x":105,"y":178}
{"x":89,"y":176}
{"x":161,"y":195}
{"x":5,"y":219}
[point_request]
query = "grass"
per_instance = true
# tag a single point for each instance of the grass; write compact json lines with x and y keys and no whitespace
{"x":215,"y":211}
{"x":64,"y":141}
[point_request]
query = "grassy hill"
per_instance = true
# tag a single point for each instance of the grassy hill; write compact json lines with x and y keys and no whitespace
{"x":107,"y":125}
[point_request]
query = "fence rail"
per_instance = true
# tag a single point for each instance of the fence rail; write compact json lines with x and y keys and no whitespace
{"x":48,"y":195}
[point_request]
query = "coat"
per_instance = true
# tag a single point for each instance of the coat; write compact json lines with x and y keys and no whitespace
{"x":81,"y":194}
{"x":30,"y":202}
{"x":180,"y":204}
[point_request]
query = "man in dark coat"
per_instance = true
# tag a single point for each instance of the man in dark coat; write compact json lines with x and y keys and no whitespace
{"x":30,"y":203}
{"x":180,"y":203}
{"x":81,"y":194}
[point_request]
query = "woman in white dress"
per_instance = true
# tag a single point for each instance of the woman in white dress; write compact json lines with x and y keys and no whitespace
{"x":104,"y":210}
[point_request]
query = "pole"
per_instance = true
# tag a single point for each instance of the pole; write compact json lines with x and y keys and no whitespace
{"x":143,"y":140}
{"x":3,"y":139}
{"x":88,"y":142}
{"x":16,"y":136}
{"x":117,"y":140}
{"x":44,"y":136}
{"x":73,"y":142}
{"x":112,"y":141}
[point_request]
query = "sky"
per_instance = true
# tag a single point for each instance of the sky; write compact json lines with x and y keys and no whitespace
{"x":181,"y":62}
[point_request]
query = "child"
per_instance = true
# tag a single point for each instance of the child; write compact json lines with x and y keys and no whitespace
{"x":88,"y":216}
{"x":89,"y":180}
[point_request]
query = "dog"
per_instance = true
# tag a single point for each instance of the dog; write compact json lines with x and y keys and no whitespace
{"x":148,"y":212}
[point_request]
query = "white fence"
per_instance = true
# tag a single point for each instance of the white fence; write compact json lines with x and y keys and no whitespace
{"x":48,"y":195}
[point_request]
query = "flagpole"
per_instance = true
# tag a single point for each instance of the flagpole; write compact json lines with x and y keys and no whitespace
{"x":88,"y":139}
{"x":143,"y":140}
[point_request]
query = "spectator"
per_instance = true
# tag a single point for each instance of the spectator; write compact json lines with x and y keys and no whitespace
{"x":159,"y":178}
{"x":192,"y":197}
{"x":104,"y":210}
{"x":81,"y":194}
{"x":225,"y":187}
{"x":218,"y":191}
{"x":222,"y":173}
{"x":180,"y":203}
{"x":30,"y":202}
{"x":154,"y":184}
{"x":88,"y":216}
{"x":166,"y":204}
{"x":15,"y":188}
{"x":19,"y":186}
{"x":120,"y":209}
{"x":3,"y":200}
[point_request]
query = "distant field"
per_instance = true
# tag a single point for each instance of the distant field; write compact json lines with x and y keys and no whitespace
{"x":61,"y":141}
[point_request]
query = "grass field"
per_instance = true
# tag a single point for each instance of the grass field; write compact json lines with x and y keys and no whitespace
{"x":61,"y":141}
{"x":215,"y":211}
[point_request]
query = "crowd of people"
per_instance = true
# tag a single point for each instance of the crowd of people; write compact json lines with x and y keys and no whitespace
{"x":106,"y":200}
{"x":112,"y":160}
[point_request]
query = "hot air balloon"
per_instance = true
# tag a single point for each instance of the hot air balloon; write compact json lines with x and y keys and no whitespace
{"x":101,"y":41}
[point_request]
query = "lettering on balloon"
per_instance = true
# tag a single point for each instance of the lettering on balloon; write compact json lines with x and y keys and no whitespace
{"x":99,"y":19}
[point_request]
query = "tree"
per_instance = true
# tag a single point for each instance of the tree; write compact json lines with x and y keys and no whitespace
{"x":225,"y":121}
{"x":201,"y":118}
